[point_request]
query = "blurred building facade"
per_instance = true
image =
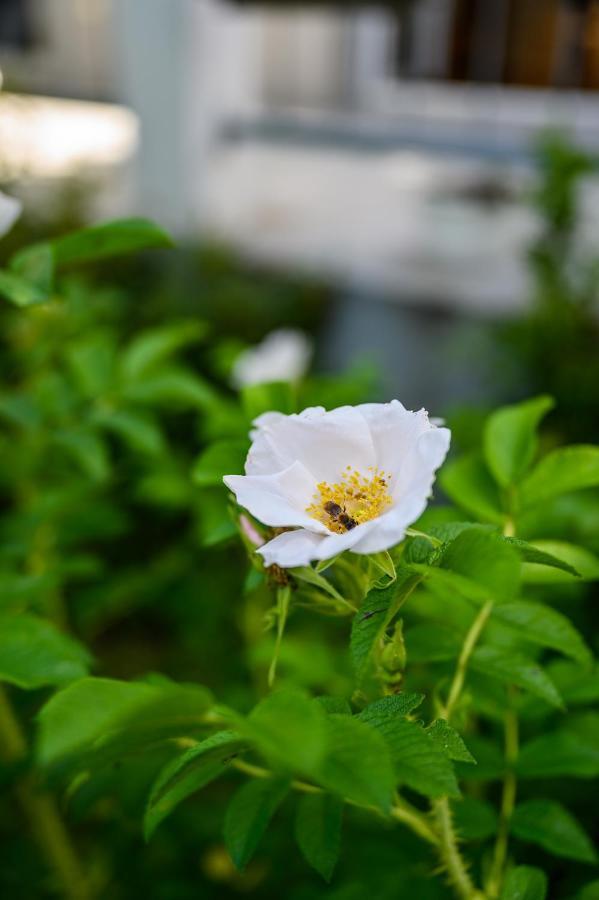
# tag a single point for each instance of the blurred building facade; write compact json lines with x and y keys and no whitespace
{"x":383,"y":144}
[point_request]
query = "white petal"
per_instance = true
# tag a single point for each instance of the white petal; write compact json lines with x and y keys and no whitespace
{"x":10,"y":210}
{"x":291,"y":549}
{"x":279,"y":500}
{"x":283,"y":355}
{"x":325,"y":442}
{"x":394,"y":431}
{"x":418,"y":467}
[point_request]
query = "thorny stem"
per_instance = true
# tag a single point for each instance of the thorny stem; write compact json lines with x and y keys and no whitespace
{"x":401,"y":811}
{"x":448,"y":846}
{"x":508,"y":800}
{"x":40,"y":809}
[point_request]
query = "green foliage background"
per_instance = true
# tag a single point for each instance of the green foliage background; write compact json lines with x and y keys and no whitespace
{"x":133,"y":648}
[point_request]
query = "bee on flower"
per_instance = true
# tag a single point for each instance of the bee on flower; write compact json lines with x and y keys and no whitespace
{"x":352,"y":478}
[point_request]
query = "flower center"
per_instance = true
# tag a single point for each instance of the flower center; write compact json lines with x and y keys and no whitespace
{"x":353,"y":500}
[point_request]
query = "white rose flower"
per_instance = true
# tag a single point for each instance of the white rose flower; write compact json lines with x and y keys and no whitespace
{"x":10,"y":210}
{"x":283,"y":355}
{"x":353,"y":478}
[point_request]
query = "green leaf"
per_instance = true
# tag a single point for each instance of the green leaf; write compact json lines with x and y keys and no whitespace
{"x":432,"y":643}
{"x":475,"y":820}
{"x":248,"y":816}
{"x":561,"y":753}
{"x":188,"y":773}
{"x":544,"y":626}
{"x":561,"y":471}
{"x":510,"y":438}
{"x":33,"y":653}
{"x":87,"y":449}
{"x":401,"y":704}
{"x":215,"y":523}
{"x":517,"y":669}
{"x":374,"y":616}
{"x":468,"y":483}
{"x":96,"y":720}
{"x":260,"y":398}
{"x":289,"y":729}
{"x":584,"y":564}
{"x":140,"y":431}
{"x":225,"y":457}
{"x":357,"y":765}
{"x":108,"y":239}
{"x":450,"y":741}
{"x":173,"y":386}
{"x":153,"y":346}
{"x":36,"y":265}
{"x":532,"y":553}
{"x":485,"y":558}
{"x":92,"y":361}
{"x":551,"y":826}
{"x":418,"y":760}
{"x":318,"y":831}
{"x":524,"y":883}
{"x":19,"y":291}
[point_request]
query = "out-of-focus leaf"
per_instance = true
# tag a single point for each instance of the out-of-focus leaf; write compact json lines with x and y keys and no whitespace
{"x":219,"y":459}
{"x":153,"y":346}
{"x":514,"y":668}
{"x":318,"y":831}
{"x":87,"y":449}
{"x":108,"y":239}
{"x":140,"y":431}
{"x":475,"y":820}
{"x":248,"y":816}
{"x":544,"y":626}
{"x":432,"y":643}
{"x":289,"y":730}
{"x":585,"y":564}
{"x":274,"y":396}
{"x":532,"y":553}
{"x":96,"y":720}
{"x":33,"y":653}
{"x":357,"y":764}
{"x":510,"y":438}
{"x":568,"y":752}
{"x":561,"y":471}
{"x":19,"y":291}
{"x":550,"y":825}
{"x":468,"y":483}
{"x":524,"y":883}
{"x":188,"y":773}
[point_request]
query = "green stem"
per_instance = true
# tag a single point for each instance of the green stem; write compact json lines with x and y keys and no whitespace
{"x":508,"y":801}
{"x":283,"y":598}
{"x":449,"y":850}
{"x":41,"y":812}
{"x":468,"y":646}
{"x":413,"y":532}
{"x":402,"y":811}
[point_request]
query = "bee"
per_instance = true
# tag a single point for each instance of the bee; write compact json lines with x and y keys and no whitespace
{"x":339,"y":515}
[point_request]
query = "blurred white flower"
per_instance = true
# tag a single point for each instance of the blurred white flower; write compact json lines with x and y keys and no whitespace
{"x":353,"y":478}
{"x":10,"y":210}
{"x":283,"y":355}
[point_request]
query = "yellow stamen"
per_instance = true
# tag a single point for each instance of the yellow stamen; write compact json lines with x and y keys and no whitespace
{"x":352,"y":500}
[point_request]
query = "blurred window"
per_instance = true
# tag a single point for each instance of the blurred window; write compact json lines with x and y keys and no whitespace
{"x":16,"y":27}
